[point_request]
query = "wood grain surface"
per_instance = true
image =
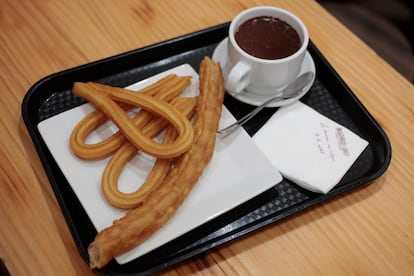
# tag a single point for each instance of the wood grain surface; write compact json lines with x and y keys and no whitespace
{"x":369,"y":231}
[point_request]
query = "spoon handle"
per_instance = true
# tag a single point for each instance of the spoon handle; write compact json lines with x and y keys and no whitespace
{"x":246,"y":117}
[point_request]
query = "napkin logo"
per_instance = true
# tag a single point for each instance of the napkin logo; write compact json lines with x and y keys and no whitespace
{"x":342,"y":141}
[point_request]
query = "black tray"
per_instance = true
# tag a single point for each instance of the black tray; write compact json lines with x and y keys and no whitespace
{"x":329,"y":95}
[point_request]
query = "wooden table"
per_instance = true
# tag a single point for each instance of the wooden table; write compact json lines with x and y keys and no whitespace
{"x":367,"y":231}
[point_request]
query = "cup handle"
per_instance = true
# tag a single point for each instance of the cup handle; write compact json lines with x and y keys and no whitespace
{"x":238,"y":78}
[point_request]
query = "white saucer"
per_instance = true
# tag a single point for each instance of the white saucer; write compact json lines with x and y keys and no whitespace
{"x":255,"y":99}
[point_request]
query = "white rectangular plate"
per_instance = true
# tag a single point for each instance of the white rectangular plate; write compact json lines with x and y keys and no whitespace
{"x":237,"y":172}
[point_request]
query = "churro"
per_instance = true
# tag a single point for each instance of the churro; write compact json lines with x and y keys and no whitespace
{"x":165,"y":89}
{"x":106,"y":99}
{"x":127,"y":151}
{"x":161,"y":203}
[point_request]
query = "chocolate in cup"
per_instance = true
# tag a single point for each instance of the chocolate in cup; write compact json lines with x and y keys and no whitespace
{"x":267,"y":37}
{"x":263,"y":76}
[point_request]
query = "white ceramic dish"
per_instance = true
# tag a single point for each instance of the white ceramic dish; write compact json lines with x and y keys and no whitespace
{"x":230,"y":179}
{"x":220,"y":54}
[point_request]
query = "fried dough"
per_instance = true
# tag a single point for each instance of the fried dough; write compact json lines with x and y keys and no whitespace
{"x":140,"y":223}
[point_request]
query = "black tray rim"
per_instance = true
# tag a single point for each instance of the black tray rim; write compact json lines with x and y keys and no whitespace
{"x":40,"y":147}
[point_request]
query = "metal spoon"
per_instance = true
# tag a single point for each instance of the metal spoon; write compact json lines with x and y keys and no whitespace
{"x":294,"y":89}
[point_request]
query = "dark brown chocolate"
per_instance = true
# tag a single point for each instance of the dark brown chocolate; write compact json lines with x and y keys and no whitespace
{"x":267,"y":37}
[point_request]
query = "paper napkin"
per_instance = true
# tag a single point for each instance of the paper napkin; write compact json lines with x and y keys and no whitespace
{"x":308,"y":148}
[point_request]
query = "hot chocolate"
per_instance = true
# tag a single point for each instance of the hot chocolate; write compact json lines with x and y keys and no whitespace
{"x":267,"y":37}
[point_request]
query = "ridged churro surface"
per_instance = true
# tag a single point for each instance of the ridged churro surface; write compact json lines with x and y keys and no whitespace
{"x":165,"y":89}
{"x":127,"y":151}
{"x":106,"y":99}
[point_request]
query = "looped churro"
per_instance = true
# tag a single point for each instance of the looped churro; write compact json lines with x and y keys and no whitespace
{"x":127,"y":151}
{"x":165,"y":89}
{"x":106,"y":98}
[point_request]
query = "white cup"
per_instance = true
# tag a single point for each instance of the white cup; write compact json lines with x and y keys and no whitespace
{"x":263,"y":76}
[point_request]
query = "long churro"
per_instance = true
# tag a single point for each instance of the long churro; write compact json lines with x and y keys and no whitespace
{"x":161,"y":203}
{"x":106,"y":98}
{"x":165,"y":89}
{"x":127,"y":151}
